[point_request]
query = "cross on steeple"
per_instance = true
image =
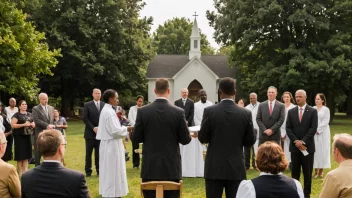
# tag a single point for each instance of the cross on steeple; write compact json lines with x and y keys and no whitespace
{"x":195,"y":15}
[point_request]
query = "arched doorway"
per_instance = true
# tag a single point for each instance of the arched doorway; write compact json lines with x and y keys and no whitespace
{"x":193,"y":89}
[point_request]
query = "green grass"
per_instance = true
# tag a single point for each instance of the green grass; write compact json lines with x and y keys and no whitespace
{"x":193,"y":187}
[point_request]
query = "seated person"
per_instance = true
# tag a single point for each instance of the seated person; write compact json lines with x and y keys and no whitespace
{"x":271,"y":183}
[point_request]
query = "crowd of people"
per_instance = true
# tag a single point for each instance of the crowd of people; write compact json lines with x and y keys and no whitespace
{"x":273,"y":135}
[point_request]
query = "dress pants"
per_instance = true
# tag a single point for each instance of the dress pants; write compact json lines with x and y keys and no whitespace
{"x":214,"y":188}
{"x":247,"y":157}
{"x":298,"y":160}
{"x":135,"y":156}
{"x":90,"y":145}
{"x":167,"y":193}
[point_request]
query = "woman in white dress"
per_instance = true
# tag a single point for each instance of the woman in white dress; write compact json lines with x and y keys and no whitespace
{"x":322,"y":137}
{"x":286,"y":98}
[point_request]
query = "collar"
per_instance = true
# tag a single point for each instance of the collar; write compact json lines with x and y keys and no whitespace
{"x":304,"y":107}
{"x":184,"y":99}
{"x":273,"y":102}
{"x":96,"y":101}
{"x":161,"y":98}
{"x":43,"y":106}
{"x":347,"y":162}
{"x":263,"y":173}
{"x":52,"y":161}
{"x":227,"y":99}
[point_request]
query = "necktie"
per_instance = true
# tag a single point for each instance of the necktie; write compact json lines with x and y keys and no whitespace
{"x":300,"y":114}
{"x":98,"y":107}
{"x":184,"y":102}
{"x":46,"y":112}
{"x":271,"y":108}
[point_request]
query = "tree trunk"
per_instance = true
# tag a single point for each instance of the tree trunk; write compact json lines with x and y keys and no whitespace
{"x":330,"y":98}
{"x":67,"y":97}
{"x":349,"y":104}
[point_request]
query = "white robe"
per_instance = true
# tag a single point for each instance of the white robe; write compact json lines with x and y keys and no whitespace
{"x":112,"y":170}
{"x":322,"y":140}
{"x":254,"y":110}
{"x":192,"y":153}
{"x":283,"y":134}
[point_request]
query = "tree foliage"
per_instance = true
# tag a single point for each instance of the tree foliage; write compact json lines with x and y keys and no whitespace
{"x":173,"y":37}
{"x":23,"y":53}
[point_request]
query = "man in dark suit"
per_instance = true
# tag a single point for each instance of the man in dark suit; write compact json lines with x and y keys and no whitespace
{"x":91,"y":115}
{"x":301,"y":126}
{"x":161,"y":126}
{"x":43,"y":116}
{"x":186,"y":104}
{"x":270,"y":117}
{"x":227,"y":128}
{"x":51,"y":179}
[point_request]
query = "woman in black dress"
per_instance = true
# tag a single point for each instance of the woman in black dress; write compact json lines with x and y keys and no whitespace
{"x":8,"y":133}
{"x":23,"y":125}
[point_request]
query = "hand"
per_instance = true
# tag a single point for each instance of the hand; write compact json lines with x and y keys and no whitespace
{"x":194,"y":135}
{"x":302,"y":148}
{"x":95,"y":129}
{"x":316,"y":133}
{"x":27,"y":124}
{"x":32,"y":125}
{"x":51,"y":126}
{"x":269,"y":132}
{"x":130,"y":128}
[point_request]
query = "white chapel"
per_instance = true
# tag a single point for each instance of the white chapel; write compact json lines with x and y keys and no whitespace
{"x":193,"y":71}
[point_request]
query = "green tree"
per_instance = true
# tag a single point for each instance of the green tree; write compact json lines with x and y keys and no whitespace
{"x":23,"y":53}
{"x":290,"y":44}
{"x":173,"y":38}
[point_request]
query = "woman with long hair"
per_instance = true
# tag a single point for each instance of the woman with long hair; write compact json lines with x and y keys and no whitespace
{"x":322,"y":137}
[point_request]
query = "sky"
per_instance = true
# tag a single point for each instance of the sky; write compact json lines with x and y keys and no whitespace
{"x":163,"y":10}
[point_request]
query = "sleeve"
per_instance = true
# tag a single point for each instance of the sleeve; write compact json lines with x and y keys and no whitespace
{"x":191,"y":115}
{"x":330,"y":187}
{"x":14,"y":183}
{"x":64,"y":121}
{"x":313,"y":127}
{"x":83,"y":190}
{"x":184,"y":136}
{"x":325,"y":122}
{"x":86,"y":117}
{"x":250,"y":137}
{"x":204,"y":133}
{"x":114,"y":127}
{"x":260,"y":123}
{"x":2,"y":128}
{"x":281,"y":120}
{"x":299,"y":189}
{"x":196,"y":118}
{"x":289,"y":127}
{"x":246,"y":189}
{"x":38,"y":122}
{"x":132,"y":116}
{"x":138,"y":131}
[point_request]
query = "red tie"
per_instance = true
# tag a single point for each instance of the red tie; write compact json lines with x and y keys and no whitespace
{"x":271,"y":108}
{"x":300,"y":114}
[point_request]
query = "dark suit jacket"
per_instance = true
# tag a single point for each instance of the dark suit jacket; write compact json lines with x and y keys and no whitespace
{"x":304,"y":130}
{"x":274,"y":122}
{"x":189,"y":109}
{"x":91,"y":118}
{"x":51,"y":179}
{"x":161,"y":127}
{"x":227,"y":128}
{"x":40,"y":119}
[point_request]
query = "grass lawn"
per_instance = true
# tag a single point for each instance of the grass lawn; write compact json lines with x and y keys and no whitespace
{"x":193,"y":187}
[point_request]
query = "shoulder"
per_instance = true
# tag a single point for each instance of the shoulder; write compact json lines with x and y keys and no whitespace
{"x":263,"y":103}
{"x":326,"y":108}
{"x":310,"y":108}
{"x":7,"y":166}
{"x":133,"y":108}
{"x":88,"y":103}
{"x":73,"y":173}
{"x":280,"y":103}
{"x":190,"y":100}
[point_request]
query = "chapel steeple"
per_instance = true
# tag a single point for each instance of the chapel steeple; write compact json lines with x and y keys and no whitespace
{"x":195,"y":40}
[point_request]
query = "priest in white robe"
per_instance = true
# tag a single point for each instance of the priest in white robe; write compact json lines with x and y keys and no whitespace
{"x":192,"y":153}
{"x":112,"y":177}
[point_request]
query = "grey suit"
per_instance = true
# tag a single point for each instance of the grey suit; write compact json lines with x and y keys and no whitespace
{"x":274,"y":121}
{"x":41,"y":120}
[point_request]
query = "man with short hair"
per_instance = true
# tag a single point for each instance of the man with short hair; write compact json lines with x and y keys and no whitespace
{"x":43,"y":116}
{"x":186,"y":104}
{"x":132,"y":115}
{"x":227,"y":128}
{"x":51,"y":179}
{"x":270,"y":117}
{"x":337,"y":183}
{"x":91,"y":113}
{"x":161,"y":127}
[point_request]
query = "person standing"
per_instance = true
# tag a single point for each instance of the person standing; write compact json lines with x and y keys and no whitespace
{"x":112,"y":177}
{"x":6,"y":123}
{"x":186,"y":104}
{"x":301,"y":126}
{"x":227,"y":128}
{"x":253,"y":107}
{"x":10,"y":111}
{"x":322,"y":137}
{"x":270,"y":116}
{"x":43,"y":116}
{"x":91,"y":115}
{"x":132,"y":115}
{"x":158,"y":121}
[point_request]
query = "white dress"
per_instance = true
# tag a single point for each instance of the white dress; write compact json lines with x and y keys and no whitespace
{"x":254,"y":110}
{"x":112,"y":170}
{"x":192,"y":153}
{"x":283,"y":134}
{"x":322,"y":139}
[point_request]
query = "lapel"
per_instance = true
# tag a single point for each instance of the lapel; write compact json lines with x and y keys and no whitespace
{"x":306,"y":112}
{"x":101,"y":106}
{"x":295,"y":112}
{"x":95,"y":106}
{"x":266,"y":108}
{"x":41,"y":109}
{"x":276,"y":106}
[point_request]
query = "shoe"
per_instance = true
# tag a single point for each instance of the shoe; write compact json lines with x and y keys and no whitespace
{"x":315,"y":175}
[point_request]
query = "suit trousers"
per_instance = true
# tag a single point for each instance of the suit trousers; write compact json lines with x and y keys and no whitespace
{"x":298,"y":160}
{"x":214,"y":188}
{"x":135,"y":156}
{"x":167,"y":193}
{"x":247,"y":157}
{"x":90,"y":145}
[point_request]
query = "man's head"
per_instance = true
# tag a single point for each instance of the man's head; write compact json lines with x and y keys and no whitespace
{"x":162,"y":88}
{"x":227,"y":88}
{"x":301,"y":97}
{"x":3,"y":143}
{"x":96,"y":94}
{"x":111,"y":97}
{"x":253,"y":98}
{"x":12,"y":102}
{"x":43,"y":98}
{"x":272,"y":93}
{"x":51,"y":144}
{"x":202,"y":95}
{"x":139,"y":101}
{"x":342,"y":147}
{"x":56,"y":113}
{"x":184,"y":93}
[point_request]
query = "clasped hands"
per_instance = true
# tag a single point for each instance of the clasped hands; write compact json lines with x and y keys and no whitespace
{"x":300,"y":145}
{"x":194,"y":134}
{"x":268,"y":132}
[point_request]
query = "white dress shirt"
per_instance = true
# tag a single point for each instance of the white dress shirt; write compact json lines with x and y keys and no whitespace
{"x":132,"y":115}
{"x":52,"y":161}
{"x":247,"y":190}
